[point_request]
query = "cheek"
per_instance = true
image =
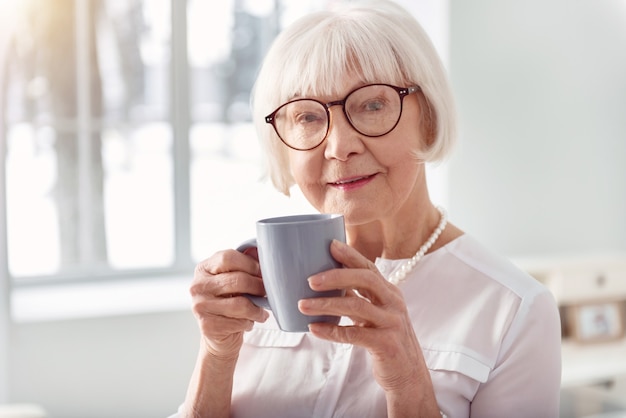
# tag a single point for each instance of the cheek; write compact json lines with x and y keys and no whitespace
{"x":307,"y":173}
{"x":304,"y":169}
{"x":296,"y":166}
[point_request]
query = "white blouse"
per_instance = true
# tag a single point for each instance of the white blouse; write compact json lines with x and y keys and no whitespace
{"x":489,"y":332}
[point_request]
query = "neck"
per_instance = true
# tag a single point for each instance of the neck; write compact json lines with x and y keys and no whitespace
{"x":398,"y":236}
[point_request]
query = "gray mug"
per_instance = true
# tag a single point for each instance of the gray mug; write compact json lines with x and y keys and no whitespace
{"x":291,"y":249}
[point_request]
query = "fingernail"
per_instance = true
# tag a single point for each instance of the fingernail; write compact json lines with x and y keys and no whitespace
{"x":303,"y":304}
{"x":314,"y":281}
{"x":317,"y":328}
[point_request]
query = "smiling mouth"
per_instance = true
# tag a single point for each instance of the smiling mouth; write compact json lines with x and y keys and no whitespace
{"x":351,"y":181}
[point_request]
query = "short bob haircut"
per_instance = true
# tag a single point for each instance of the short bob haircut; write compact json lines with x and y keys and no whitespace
{"x":376,"y":41}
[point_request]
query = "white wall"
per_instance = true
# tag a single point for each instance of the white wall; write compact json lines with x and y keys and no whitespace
{"x":118,"y":367}
{"x":541,"y":86}
{"x":4,"y":286}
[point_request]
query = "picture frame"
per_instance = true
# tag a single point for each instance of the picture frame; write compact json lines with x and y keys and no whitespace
{"x":597,"y":321}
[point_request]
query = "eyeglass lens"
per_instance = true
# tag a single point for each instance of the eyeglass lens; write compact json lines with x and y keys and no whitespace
{"x":372,"y":110}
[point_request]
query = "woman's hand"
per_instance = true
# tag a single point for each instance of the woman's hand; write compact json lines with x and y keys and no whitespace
{"x":222,"y":313}
{"x":381,"y":324}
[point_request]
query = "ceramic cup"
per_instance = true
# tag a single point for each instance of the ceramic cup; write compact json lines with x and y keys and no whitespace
{"x":291,"y":249}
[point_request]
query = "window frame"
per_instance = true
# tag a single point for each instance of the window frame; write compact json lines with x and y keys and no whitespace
{"x":179,"y":119}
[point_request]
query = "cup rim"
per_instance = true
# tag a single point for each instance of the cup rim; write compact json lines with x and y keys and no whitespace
{"x":301,"y":219}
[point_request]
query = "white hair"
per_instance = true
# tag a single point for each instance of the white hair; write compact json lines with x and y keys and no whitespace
{"x":378,"y":41}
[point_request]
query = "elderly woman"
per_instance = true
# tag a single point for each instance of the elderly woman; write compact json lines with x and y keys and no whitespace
{"x":349,"y":106}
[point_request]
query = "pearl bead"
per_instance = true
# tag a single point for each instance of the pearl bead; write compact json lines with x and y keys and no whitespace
{"x":400,"y":274}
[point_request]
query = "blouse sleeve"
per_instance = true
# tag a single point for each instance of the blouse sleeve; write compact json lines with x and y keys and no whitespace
{"x":526,"y":379}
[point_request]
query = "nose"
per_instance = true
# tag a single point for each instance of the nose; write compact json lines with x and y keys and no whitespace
{"x":342,"y":140}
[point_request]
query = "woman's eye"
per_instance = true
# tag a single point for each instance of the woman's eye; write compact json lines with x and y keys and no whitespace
{"x":373,"y":106}
{"x":306,"y":118}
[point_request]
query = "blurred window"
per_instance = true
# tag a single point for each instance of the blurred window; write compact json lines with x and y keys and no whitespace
{"x":127,"y":145}
{"x":89,"y":167}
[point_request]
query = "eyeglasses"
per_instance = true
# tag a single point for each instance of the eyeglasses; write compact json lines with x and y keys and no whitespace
{"x":373,"y":110}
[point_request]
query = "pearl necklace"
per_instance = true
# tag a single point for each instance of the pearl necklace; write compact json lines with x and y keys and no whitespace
{"x":399,"y":275}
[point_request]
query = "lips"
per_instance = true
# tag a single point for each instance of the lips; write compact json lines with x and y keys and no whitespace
{"x":350,"y":183}
{"x":351,"y":180}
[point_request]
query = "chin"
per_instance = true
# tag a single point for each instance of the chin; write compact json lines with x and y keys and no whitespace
{"x":358,"y":216}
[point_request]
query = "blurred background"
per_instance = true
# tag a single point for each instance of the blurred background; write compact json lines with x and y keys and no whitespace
{"x":127,"y":155}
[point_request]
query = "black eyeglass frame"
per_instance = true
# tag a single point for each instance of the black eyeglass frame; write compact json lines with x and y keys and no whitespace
{"x":402,"y":92}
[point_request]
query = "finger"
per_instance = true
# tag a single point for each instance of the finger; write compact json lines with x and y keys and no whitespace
{"x":252,"y":252}
{"x":228,"y":261}
{"x":227,"y":285}
{"x":224,"y":335}
{"x":238,"y":307}
{"x":359,"y":310}
{"x":226,"y":273}
{"x":368,"y":283}
{"x":350,"y":257}
{"x":355,"y":335}
{"x":218,"y":327}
